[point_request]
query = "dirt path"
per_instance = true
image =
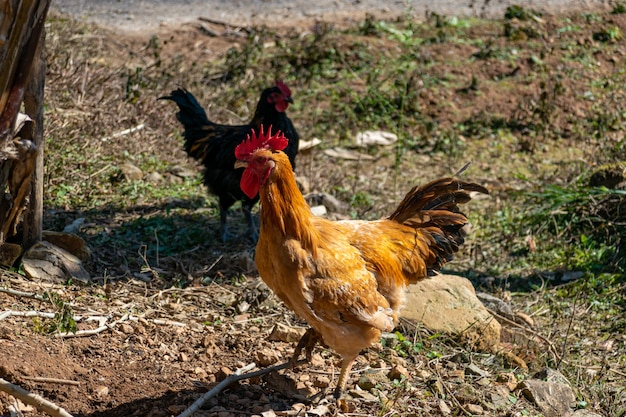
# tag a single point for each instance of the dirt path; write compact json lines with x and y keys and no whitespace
{"x":144,"y":15}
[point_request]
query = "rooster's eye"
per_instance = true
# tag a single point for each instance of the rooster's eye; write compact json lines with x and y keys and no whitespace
{"x":273,"y":98}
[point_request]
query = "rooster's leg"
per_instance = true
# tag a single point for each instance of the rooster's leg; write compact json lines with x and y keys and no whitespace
{"x":307,"y":342}
{"x":346,"y":366}
{"x":252,"y":231}
{"x":223,"y":216}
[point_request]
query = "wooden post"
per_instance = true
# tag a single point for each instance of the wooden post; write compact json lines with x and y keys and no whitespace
{"x":33,"y":105}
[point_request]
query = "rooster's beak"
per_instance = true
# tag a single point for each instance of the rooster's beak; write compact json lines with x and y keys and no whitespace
{"x":289,"y":100}
{"x":241,"y":164}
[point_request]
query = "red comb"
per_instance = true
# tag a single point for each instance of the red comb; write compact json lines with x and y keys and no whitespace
{"x":283,"y":88}
{"x":275,"y":142}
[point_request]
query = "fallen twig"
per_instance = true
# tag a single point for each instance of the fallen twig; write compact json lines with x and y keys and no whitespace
{"x":17,"y":293}
{"x":221,"y":23}
{"x":91,"y":332}
{"x":51,"y":380}
{"x":35,"y":400}
{"x":123,"y":132}
{"x":237,"y":376}
{"x":102,"y":321}
{"x":11,"y":313}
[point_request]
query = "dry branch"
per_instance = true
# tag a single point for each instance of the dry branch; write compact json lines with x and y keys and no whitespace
{"x":33,"y":399}
{"x":51,"y":380}
{"x":102,"y":321}
{"x":237,"y":376}
{"x":17,"y":293}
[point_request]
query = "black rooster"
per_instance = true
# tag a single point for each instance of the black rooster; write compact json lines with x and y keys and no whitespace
{"x":214,"y":145}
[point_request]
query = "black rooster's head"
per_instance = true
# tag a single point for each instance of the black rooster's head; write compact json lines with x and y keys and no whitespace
{"x":278,"y":96}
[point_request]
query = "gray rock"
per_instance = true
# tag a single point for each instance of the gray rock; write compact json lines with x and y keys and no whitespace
{"x":496,"y":304}
{"x":75,"y":226}
{"x":371,"y":378}
{"x":47,"y":262}
{"x":131,"y":172}
{"x":333,"y":204}
{"x":553,"y":399}
{"x":154,"y":178}
{"x":182,"y":172}
{"x":473,"y":369}
{"x":448,"y":303}
{"x":69,"y":242}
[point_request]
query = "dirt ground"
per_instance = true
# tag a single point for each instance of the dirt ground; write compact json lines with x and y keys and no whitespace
{"x":158,"y":347}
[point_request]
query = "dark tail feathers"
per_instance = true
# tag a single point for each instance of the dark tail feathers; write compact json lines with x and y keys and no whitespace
{"x":433,"y":208}
{"x":193,"y":118}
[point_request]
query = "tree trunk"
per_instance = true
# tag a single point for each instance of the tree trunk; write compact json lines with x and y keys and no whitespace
{"x":22,"y":75}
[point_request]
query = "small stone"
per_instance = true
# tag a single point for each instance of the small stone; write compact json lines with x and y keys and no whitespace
{"x":154,"y":178}
{"x":127,"y":328}
{"x":182,"y":172}
{"x":398,"y":372}
{"x":282,"y":333}
{"x":443,"y":407}
{"x":474,"y":409}
{"x":319,"y":210}
{"x":200,"y":372}
{"x":472,"y":369}
{"x":552,"y":398}
{"x":321,"y":381}
{"x":222,"y":373}
{"x":365,"y":395}
{"x":130,"y":172}
{"x":101,"y":391}
{"x":267,"y":356}
{"x":371,"y":378}
{"x":423,"y":374}
{"x":458,"y":374}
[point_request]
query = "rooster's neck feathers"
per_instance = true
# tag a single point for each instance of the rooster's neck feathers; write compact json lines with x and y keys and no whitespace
{"x":283,"y":207}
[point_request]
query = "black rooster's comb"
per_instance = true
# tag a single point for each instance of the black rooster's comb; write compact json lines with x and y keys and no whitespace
{"x":283,"y":88}
{"x":275,"y":142}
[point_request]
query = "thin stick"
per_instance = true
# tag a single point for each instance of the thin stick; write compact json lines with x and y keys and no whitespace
{"x":529,"y":331}
{"x":91,"y":332}
{"x":123,"y":132}
{"x":222,"y":23}
{"x":17,"y":293}
{"x":35,"y":400}
{"x":237,"y":376}
{"x":51,"y":380}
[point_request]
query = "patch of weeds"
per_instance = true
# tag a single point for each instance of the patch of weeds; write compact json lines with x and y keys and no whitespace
{"x":313,"y":55}
{"x":520,"y":13}
{"x":360,"y":204}
{"x":239,"y":60}
{"x":590,"y":219}
{"x":405,"y":347}
{"x":405,"y":36}
{"x":537,"y":112}
{"x":612,"y":34}
{"x":370,"y":26}
{"x":449,"y":143}
{"x":164,"y":235}
{"x":63,"y":320}
{"x":619,"y":8}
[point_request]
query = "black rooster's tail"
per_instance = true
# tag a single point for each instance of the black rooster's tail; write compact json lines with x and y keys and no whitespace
{"x":195,"y":121}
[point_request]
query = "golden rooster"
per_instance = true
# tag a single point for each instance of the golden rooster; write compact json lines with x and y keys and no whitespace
{"x":345,"y":278}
